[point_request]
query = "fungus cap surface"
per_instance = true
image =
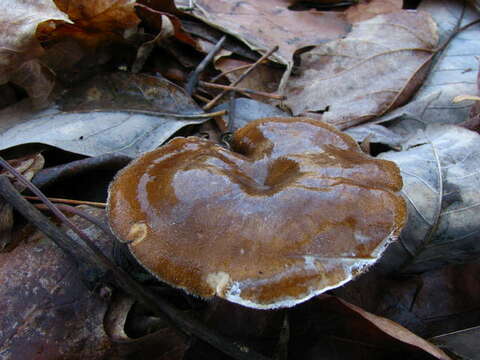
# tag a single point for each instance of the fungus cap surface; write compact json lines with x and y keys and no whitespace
{"x":295,"y":209}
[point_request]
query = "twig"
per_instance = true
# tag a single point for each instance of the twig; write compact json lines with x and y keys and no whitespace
{"x":51,"y":175}
{"x":68,"y":201}
{"x":201,"y":98}
{"x":83,"y":252}
{"x":194,"y":76}
{"x":242,"y":90}
{"x":240,"y":78}
{"x":238,"y":68}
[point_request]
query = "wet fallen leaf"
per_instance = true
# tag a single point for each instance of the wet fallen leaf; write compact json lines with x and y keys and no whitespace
{"x":439,"y":170}
{"x":375,"y":69}
{"x":453,"y":74}
{"x":75,"y":124}
{"x":331,"y":328}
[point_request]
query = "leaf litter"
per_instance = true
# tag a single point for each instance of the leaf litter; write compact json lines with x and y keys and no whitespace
{"x":350,"y":69}
{"x":119,"y":112}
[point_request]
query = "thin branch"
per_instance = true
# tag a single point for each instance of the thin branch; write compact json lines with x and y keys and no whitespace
{"x":194,"y":76}
{"x":68,"y":201}
{"x":240,"y":79}
{"x":242,"y":90}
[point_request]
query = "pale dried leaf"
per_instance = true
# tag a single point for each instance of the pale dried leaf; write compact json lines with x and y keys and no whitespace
{"x":376,"y":68}
{"x":440,"y":172}
{"x":371,"y":8}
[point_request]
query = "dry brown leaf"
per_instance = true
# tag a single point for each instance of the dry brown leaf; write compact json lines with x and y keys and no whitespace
{"x":368,"y":9}
{"x":100,"y":15}
{"x":18,"y":25}
{"x":264,"y":24}
{"x":376,"y":68}
{"x":19,"y":47}
{"x":94,"y":22}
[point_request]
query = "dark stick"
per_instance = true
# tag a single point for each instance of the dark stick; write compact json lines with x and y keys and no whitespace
{"x":242,"y":90}
{"x":83,"y":253}
{"x":194,"y":76}
{"x":215,"y":100}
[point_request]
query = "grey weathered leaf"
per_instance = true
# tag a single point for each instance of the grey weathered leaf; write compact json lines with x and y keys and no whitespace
{"x":376,"y":134}
{"x":129,"y":122}
{"x":441,"y":180}
{"x":453,"y":74}
{"x":374,"y":69}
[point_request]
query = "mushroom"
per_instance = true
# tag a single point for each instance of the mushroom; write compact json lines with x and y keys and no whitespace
{"x":294,"y":210}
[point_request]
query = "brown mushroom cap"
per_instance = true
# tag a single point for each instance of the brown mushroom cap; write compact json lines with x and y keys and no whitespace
{"x":297,"y":209}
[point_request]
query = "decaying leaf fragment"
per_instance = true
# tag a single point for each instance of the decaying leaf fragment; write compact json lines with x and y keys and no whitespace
{"x":440,"y":172}
{"x":374,"y":69}
{"x":296,"y":210}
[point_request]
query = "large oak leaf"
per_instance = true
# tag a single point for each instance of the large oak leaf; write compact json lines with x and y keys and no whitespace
{"x":376,"y":68}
